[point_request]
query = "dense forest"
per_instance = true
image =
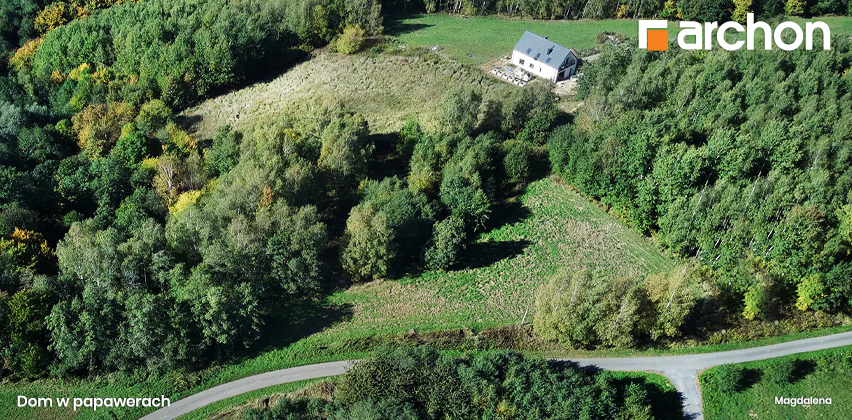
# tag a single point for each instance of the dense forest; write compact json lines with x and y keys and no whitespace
{"x":739,"y":160}
{"x":696,"y":10}
{"x":420,"y":384}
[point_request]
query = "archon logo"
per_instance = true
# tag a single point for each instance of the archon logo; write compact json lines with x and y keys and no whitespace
{"x":654,"y":35}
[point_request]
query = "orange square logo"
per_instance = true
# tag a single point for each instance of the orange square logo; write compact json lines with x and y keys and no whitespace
{"x":658,"y":40}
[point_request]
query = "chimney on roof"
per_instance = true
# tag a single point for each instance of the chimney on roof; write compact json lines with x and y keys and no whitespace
{"x":549,"y":50}
{"x":545,"y":37}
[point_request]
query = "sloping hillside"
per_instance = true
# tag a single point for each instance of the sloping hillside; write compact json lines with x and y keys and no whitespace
{"x":385,"y":89}
{"x":555,"y":228}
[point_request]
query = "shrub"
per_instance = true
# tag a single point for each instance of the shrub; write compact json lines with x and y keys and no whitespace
{"x":741,"y":9}
{"x":794,"y":7}
{"x":350,"y":40}
{"x":518,"y":162}
{"x":728,"y":378}
{"x":420,"y":383}
{"x":704,"y":10}
{"x":460,"y":110}
{"x":780,"y":372}
{"x":131,"y":146}
{"x":810,"y":291}
{"x":408,"y":138}
{"x":448,"y":241}
{"x":368,"y":243}
{"x":581,"y":309}
{"x":468,"y":203}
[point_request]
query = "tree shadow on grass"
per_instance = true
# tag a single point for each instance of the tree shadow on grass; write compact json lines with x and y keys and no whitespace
{"x":666,"y":404}
{"x":750,"y":378}
{"x":189,"y":123}
{"x":395,"y":25}
{"x":803,"y":369}
{"x":507,"y":212}
{"x":298,"y":321}
{"x":484,"y":254}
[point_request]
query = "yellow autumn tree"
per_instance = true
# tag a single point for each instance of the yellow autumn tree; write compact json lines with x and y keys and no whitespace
{"x":809,"y":291}
{"x":180,"y":139}
{"x":54,"y":16}
{"x":185,"y":200}
{"x":741,"y":10}
{"x":794,"y":7}
{"x":98,"y":126}
{"x":24,"y":55}
{"x":26,"y":248}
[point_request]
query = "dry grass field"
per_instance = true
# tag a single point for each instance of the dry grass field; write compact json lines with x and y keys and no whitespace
{"x":385,"y":89}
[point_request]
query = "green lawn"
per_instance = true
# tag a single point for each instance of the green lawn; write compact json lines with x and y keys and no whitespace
{"x":487,"y":38}
{"x":822,"y":374}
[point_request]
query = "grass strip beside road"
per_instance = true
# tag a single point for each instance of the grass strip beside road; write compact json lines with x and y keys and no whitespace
{"x":821,"y":374}
{"x":243,"y":399}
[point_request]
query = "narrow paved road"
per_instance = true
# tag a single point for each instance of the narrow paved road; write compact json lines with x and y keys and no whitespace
{"x":681,"y":370}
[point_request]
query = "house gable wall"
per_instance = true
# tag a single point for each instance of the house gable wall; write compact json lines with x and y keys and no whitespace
{"x":538,"y":69}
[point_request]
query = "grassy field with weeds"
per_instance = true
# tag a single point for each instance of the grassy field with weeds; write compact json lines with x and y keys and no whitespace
{"x":386,"y":89}
{"x":477,"y":40}
{"x":550,"y":227}
{"x":822,"y":374}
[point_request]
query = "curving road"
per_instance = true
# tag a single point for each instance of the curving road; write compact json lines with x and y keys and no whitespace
{"x":681,"y":370}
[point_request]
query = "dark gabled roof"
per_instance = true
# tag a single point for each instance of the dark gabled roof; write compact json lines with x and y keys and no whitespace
{"x":547,"y":52}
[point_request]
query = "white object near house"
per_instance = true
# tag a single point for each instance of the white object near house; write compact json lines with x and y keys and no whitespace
{"x":544,"y":58}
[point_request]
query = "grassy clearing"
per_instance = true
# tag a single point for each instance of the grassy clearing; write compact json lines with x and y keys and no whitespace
{"x":822,"y":374}
{"x":385,"y":89}
{"x":555,"y":228}
{"x":487,"y":38}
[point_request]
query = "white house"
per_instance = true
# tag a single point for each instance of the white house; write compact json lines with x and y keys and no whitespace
{"x":544,"y":58}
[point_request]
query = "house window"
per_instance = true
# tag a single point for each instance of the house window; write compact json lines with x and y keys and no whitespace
{"x":522,"y":61}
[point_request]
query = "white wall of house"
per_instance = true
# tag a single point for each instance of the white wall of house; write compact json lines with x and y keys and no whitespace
{"x":533,"y":66}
